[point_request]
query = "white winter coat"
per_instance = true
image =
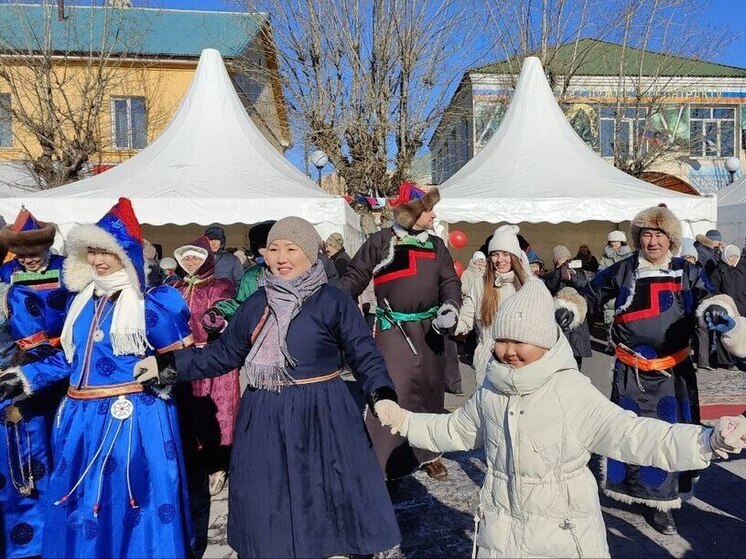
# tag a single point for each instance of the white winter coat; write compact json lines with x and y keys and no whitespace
{"x":471,"y":276}
{"x":538,"y":425}
{"x":468,"y":319}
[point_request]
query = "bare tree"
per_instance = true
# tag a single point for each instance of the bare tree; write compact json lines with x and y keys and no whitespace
{"x":367,"y":80}
{"x":655,"y":43}
{"x":60,"y":74}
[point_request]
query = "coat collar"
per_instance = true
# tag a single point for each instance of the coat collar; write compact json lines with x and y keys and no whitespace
{"x":529,"y":379}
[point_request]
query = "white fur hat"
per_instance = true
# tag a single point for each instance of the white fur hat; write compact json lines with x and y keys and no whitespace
{"x":505,"y":239}
{"x":527,"y":316}
{"x":617,"y":236}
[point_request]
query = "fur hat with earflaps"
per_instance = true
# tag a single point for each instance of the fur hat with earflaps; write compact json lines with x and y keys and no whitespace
{"x":660,"y":218}
{"x":411,"y":202}
{"x":27,"y":235}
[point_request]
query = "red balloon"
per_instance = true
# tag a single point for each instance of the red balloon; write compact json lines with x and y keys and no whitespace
{"x":457,"y":238}
{"x":459,"y":267}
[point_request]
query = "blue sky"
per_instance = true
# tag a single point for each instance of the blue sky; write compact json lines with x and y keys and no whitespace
{"x":733,"y":14}
{"x":718,"y":13}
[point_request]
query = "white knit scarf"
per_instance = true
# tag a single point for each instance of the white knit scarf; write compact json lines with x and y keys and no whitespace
{"x":127,"y":332}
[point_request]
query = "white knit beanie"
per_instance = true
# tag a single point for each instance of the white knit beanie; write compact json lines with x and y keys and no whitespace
{"x":505,"y":239}
{"x":527,"y":316}
{"x":617,"y":236}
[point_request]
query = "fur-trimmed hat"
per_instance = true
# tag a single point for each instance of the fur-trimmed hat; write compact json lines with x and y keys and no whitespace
{"x":27,"y":235}
{"x":199,"y":247}
{"x":659,"y":218}
{"x":117,"y":232}
{"x":617,"y":236}
{"x":411,"y":202}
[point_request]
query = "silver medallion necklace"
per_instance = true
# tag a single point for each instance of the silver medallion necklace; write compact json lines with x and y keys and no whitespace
{"x":98,"y":334}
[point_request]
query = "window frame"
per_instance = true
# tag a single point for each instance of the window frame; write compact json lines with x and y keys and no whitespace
{"x":706,"y":122}
{"x":635,"y":125}
{"x":130,"y":128}
{"x":10,"y":122}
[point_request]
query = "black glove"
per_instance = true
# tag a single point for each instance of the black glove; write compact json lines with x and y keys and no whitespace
{"x":11,"y":385}
{"x":564,"y":318}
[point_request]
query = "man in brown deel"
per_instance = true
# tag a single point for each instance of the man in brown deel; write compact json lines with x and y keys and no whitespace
{"x":418,"y":296}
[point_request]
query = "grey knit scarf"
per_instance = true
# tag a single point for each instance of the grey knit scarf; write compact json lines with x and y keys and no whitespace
{"x":267,"y":363}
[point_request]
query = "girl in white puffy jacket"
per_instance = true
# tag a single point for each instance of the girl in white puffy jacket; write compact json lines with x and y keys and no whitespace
{"x":539,"y":419}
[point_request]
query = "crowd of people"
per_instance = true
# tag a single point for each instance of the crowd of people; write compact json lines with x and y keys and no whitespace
{"x":122,"y":372}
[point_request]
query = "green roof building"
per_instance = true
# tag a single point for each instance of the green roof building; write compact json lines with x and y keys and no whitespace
{"x":674,"y":115}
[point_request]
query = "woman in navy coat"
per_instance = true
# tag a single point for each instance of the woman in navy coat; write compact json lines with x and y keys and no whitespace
{"x":304,"y":479}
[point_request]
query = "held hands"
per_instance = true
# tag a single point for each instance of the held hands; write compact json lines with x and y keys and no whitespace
{"x":718,"y":319}
{"x":213,"y":321}
{"x":446,"y":319}
{"x":391,"y":415}
{"x":728,"y":436}
{"x":147,"y":372}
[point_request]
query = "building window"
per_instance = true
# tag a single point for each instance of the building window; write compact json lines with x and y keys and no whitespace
{"x":6,"y":136}
{"x":130,"y":123}
{"x":630,"y":128}
{"x":712,"y":131}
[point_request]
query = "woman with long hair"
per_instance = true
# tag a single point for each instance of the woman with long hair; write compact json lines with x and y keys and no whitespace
{"x":507,"y":271}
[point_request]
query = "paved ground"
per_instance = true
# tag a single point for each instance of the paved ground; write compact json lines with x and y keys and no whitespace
{"x":436,"y":517}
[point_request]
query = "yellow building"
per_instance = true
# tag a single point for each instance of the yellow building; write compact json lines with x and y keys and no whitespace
{"x":130,"y":67}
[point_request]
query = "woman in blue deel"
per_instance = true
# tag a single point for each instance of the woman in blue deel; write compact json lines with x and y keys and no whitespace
{"x":118,"y":486}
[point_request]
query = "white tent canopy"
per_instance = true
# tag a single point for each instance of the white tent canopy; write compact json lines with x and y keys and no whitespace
{"x":537,"y":169}
{"x":732,"y":212}
{"x":210,"y":165}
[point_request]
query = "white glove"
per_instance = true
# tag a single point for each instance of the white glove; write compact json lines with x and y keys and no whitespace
{"x":390,"y":414}
{"x":725,"y":427}
{"x":146,"y":370}
{"x":737,"y":437}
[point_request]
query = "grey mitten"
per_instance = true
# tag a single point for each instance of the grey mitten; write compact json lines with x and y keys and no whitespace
{"x":446,"y":319}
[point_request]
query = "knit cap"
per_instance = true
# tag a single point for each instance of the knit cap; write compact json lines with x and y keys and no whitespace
{"x":714,"y":235}
{"x":527,"y":316}
{"x":168,"y":263}
{"x":688,"y":248}
{"x":728,"y":251}
{"x":300,"y":232}
{"x":559,"y":252}
{"x":617,"y":236}
{"x":505,"y":238}
{"x":335,"y":240}
{"x":478,"y":255}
